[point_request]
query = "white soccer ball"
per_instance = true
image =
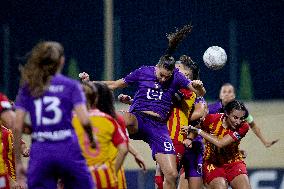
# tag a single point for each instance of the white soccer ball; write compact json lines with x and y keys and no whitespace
{"x":215,"y":57}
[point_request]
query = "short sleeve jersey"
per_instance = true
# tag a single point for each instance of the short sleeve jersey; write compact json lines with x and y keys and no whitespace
{"x":153,"y":95}
{"x":229,"y":154}
{"x":53,"y":110}
{"x":108,"y":135}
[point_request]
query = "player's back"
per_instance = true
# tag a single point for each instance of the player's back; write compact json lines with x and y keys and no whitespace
{"x":107,"y":133}
{"x":53,"y":110}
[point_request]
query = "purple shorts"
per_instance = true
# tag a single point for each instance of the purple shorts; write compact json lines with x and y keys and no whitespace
{"x":193,"y":159}
{"x":62,"y":159}
{"x":153,"y":131}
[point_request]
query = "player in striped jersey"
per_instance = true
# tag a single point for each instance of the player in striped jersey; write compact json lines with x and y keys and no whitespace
{"x":223,"y":161}
{"x":227,"y":94}
{"x":182,"y":112}
{"x":102,"y":162}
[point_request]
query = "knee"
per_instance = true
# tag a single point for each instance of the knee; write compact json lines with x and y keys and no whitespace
{"x":171,"y":175}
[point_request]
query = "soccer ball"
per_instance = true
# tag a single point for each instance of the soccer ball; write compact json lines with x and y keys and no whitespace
{"x":215,"y":57}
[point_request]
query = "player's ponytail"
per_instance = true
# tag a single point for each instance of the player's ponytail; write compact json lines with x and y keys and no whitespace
{"x":43,"y":62}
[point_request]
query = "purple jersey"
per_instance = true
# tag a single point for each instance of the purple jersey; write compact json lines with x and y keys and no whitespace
{"x":152,"y":95}
{"x":51,"y":113}
{"x":216,"y":107}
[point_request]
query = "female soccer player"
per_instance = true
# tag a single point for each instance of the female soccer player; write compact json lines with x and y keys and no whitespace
{"x":50,"y":98}
{"x":106,"y":160}
{"x":151,"y":106}
{"x":223,"y":161}
{"x":186,"y":107}
{"x":227,"y":94}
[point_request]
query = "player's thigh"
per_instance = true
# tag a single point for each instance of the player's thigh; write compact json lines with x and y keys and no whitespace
{"x":167,"y":163}
{"x":217,"y":183}
{"x":130,"y":122}
{"x":240,"y":182}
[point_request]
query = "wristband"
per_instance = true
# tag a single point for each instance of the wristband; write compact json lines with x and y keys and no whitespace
{"x":189,"y":138}
{"x":199,"y":131}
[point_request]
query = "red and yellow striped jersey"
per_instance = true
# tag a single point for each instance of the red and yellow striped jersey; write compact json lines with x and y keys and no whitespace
{"x":180,"y":115}
{"x":213,"y":124}
{"x":107,"y":133}
{"x":101,"y":160}
{"x":7,"y":158}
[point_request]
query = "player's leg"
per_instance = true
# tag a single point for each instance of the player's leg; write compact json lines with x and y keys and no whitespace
{"x":168,"y":166}
{"x":192,"y":163}
{"x":159,"y":177}
{"x":237,"y":175}
{"x":214,"y":177}
{"x":131,"y":122}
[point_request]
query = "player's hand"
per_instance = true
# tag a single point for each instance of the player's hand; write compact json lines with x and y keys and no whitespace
{"x":84,"y":76}
{"x":197,"y":83}
{"x":269,"y":144}
{"x":184,"y":129}
{"x":25,"y":150}
{"x":140,"y":161}
{"x":187,"y":143}
{"x":244,"y":153}
{"x":126,"y":99}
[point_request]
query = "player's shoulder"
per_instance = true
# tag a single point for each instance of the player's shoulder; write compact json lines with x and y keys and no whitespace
{"x":5,"y":130}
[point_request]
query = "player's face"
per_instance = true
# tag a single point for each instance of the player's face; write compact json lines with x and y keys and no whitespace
{"x":162,"y":74}
{"x":186,"y":72}
{"x":235,"y":118}
{"x":227,"y":94}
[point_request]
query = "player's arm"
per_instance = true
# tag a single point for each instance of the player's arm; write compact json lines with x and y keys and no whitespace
{"x":197,"y":87}
{"x":121,"y":154}
{"x":8,"y":116}
{"x":220,"y":143}
{"x":256,"y":130}
{"x":83,"y":116}
{"x":138,"y":158}
{"x":117,"y":84}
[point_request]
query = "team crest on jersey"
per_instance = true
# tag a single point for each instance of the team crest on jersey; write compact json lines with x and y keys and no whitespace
{"x":237,"y":135}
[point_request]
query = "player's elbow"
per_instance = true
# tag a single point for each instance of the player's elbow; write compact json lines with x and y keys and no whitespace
{"x":123,"y":149}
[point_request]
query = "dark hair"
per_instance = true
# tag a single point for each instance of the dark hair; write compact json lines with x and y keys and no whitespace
{"x":167,"y":62}
{"x":105,"y":99}
{"x":91,"y":93}
{"x":189,"y":63}
{"x":43,"y":62}
{"x":235,"y":105}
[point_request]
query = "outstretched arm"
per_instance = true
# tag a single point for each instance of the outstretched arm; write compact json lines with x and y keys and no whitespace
{"x":111,"y":84}
{"x":256,"y":130}
{"x":220,"y":143}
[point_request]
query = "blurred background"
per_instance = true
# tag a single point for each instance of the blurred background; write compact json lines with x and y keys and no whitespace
{"x":108,"y":39}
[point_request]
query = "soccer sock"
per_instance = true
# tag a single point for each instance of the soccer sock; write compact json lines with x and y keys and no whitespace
{"x":159,"y":181}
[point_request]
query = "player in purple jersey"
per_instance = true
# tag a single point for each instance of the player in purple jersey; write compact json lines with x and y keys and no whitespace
{"x":147,"y":119}
{"x":49,"y":98}
{"x":228,"y":94}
